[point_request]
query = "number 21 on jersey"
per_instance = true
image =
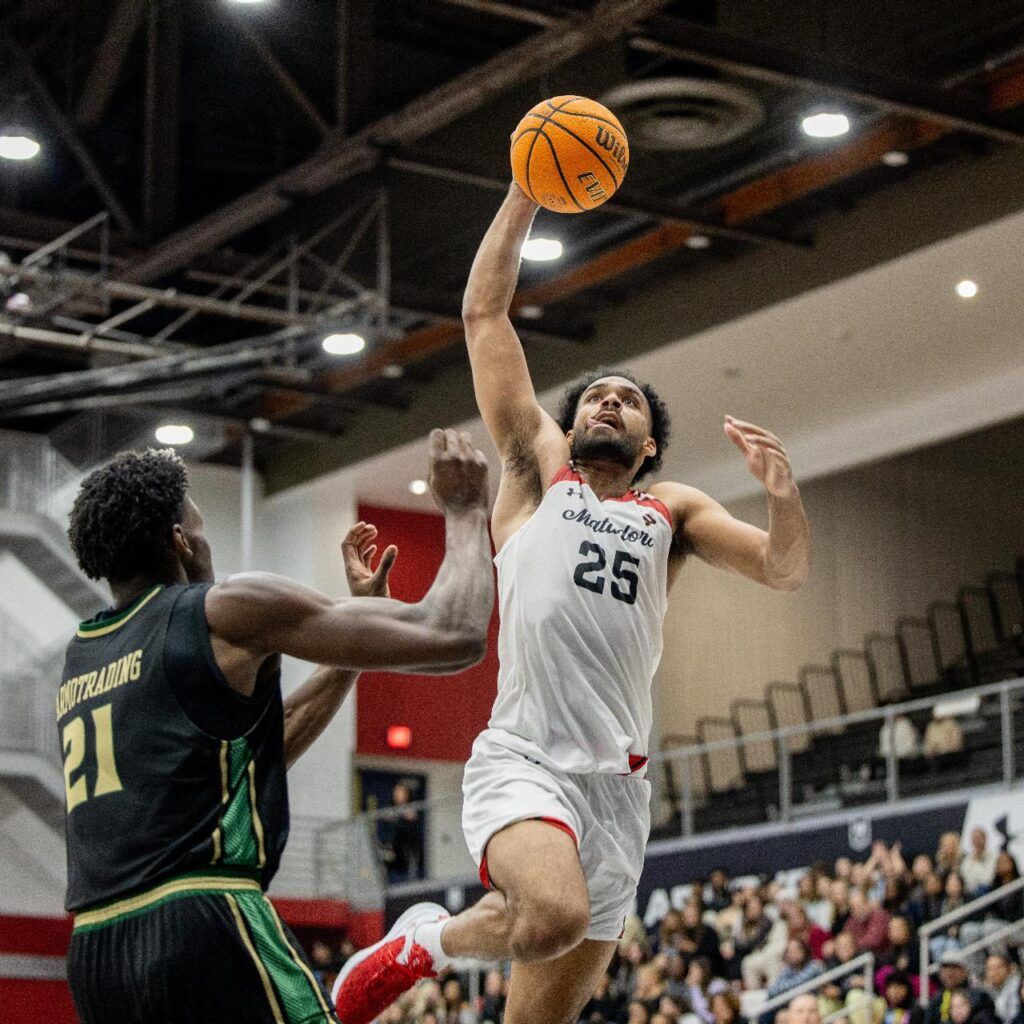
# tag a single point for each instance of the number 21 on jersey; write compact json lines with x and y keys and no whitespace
{"x":74,"y":743}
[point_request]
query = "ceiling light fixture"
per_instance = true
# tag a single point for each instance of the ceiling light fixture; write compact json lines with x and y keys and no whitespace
{"x":895,"y":158}
{"x":418,"y":486}
{"x":826,"y":124}
{"x":542,"y":249}
{"x":175,"y":433}
{"x":698,"y":241}
{"x":15,"y":144}
{"x":343,"y":344}
{"x":393,"y":371}
{"x":967,"y":289}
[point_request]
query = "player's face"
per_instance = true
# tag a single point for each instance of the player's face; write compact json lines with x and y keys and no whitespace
{"x":613,"y":424}
{"x":194,"y":553}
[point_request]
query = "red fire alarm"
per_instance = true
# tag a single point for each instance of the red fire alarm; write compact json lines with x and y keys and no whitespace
{"x":399,"y":737}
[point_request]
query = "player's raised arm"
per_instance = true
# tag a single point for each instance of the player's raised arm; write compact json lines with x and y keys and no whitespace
{"x":309,"y":709}
{"x":259,"y":614}
{"x":780,"y":557}
{"x":501,"y":378}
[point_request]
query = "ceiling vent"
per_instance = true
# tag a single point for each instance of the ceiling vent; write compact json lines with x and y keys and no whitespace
{"x":683,"y":113}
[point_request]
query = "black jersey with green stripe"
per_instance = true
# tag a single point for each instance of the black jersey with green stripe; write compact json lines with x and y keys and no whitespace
{"x":166,"y":768}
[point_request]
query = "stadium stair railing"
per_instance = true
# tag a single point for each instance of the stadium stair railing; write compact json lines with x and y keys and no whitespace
{"x":968,"y":910}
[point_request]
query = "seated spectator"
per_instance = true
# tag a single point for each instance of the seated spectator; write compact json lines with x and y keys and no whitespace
{"x":905,"y":737}
{"x":650,"y":986}
{"x":834,"y":995}
{"x":952,"y":900}
{"x":900,"y":1005}
{"x":638,"y":1013}
{"x":725,"y":1008}
{"x":1019,"y":1019}
{"x":676,"y":969}
{"x":1008,"y":908}
{"x":698,"y":981}
{"x":802,"y":1010}
{"x":966,"y":1008}
{"x":798,"y":967}
{"x":904,"y":953}
{"x":671,"y":925}
{"x":800,"y":927}
{"x":942,"y":737}
{"x":948,"y":855}
{"x":819,"y":908}
{"x":928,"y":906}
{"x":953,"y":978}
{"x":1002,"y":983}
{"x":325,"y":962}
{"x":868,"y":924}
{"x":674,"y":1009}
{"x":760,"y":945}
{"x":694,"y":937}
{"x":977,"y":869}
{"x":661,"y":1018}
{"x":492,"y":1006}
{"x":839,"y":897}
{"x":717,"y":895}
{"x":920,"y":870}
{"x":632,"y":956}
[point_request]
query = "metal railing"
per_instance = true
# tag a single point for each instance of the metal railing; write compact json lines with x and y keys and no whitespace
{"x":967,"y":910}
{"x":801,"y":736}
{"x":865,"y":960}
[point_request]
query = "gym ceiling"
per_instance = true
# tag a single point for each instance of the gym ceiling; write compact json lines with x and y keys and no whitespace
{"x":231,"y":182}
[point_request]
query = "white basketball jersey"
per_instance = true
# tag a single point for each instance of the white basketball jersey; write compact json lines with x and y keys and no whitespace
{"x":582,"y":590}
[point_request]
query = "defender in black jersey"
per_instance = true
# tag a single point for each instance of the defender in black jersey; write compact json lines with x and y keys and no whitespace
{"x":175,"y":739}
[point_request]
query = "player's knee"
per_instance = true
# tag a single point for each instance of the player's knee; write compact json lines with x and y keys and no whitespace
{"x":547,"y":928}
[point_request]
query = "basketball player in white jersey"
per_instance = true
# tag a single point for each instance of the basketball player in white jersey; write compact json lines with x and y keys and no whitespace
{"x":556,"y":800}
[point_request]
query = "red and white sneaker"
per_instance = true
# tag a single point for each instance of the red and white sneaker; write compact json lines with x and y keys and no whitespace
{"x":375,"y":977}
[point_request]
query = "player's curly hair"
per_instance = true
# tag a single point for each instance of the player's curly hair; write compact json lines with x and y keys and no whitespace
{"x":661,"y":421}
{"x":121,"y":521}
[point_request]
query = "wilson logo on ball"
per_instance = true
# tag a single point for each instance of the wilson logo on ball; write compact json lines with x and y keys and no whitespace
{"x":569,"y":154}
{"x":618,"y":151}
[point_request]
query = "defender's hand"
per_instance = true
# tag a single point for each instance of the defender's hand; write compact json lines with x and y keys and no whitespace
{"x":766,"y":458}
{"x":357,"y":550}
{"x":458,"y":472}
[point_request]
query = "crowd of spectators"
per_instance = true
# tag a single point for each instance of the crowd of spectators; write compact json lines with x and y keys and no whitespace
{"x":730,"y":945}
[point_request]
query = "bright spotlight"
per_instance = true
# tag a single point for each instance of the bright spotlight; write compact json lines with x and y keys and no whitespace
{"x":542,"y":249}
{"x":967,"y":289}
{"x":826,"y":125}
{"x":698,"y":241}
{"x":895,"y":158}
{"x":418,"y":486}
{"x":16,"y":146}
{"x":343,"y":344}
{"x":175,"y":433}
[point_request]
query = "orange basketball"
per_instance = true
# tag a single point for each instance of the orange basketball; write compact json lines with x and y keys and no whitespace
{"x":569,"y":154}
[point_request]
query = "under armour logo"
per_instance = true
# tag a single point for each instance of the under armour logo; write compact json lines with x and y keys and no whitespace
{"x":649,"y":520}
{"x":572,"y":492}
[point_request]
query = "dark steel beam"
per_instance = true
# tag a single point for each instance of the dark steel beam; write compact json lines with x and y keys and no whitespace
{"x":67,"y":132}
{"x":282,"y":76}
{"x":355,"y":77}
{"x":163,"y":70}
{"x":687,"y":41}
{"x":744,"y":58}
{"x":341,"y":158}
{"x":656,"y":210}
{"x":108,"y":62}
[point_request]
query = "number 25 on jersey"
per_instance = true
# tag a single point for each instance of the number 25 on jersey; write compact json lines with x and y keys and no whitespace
{"x":589,"y":575}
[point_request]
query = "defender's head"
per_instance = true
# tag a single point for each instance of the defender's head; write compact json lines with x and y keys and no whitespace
{"x":608,"y":416}
{"x":133,"y":519}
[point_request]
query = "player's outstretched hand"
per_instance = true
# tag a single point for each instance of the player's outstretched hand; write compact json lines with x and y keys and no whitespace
{"x":357,"y":551}
{"x":458,"y":472}
{"x":766,"y":458}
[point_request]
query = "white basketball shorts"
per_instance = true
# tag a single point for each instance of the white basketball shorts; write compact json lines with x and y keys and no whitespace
{"x":608,"y":816}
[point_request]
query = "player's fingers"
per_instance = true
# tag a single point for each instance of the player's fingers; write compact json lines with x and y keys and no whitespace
{"x":768,"y":443}
{"x":438,"y":443}
{"x":451,"y":441}
{"x":352,"y":534}
{"x":387,"y":560}
{"x":368,"y":553}
{"x":737,"y":438}
{"x":749,"y":428}
{"x":465,"y":444}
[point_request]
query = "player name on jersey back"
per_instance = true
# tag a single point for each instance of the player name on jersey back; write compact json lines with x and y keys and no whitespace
{"x":582,"y":591}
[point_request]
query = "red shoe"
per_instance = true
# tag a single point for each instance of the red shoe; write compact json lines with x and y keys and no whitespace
{"x":375,"y":977}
